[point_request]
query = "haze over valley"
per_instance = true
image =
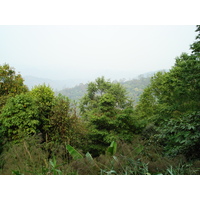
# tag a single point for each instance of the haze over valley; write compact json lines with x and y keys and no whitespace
{"x":57,"y":85}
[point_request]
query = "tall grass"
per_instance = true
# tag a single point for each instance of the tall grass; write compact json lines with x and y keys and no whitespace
{"x":136,"y":158}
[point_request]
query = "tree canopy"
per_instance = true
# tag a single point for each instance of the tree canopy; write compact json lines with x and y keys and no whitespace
{"x":172,"y":99}
{"x":109,"y":113}
{"x":11,"y":83}
{"x":19,"y":117}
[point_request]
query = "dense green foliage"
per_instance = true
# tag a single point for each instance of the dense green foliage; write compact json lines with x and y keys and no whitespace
{"x":39,"y":112}
{"x":182,"y":135}
{"x":44,"y":97}
{"x":109,"y":114}
{"x":107,"y":133}
{"x":172,"y":103}
{"x":195,"y":47}
{"x":19,"y":117}
{"x":10,"y":83}
{"x":65,"y":126}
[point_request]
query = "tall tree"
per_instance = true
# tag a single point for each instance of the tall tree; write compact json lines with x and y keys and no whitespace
{"x":66,"y":127}
{"x":19,"y":117}
{"x":11,"y":83}
{"x":195,"y":47}
{"x":44,"y":97}
{"x":109,"y":113}
{"x":100,"y":87}
{"x":172,"y":101}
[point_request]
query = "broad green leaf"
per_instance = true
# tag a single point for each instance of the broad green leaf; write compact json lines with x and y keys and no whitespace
{"x":89,"y":158}
{"x":75,"y":154}
{"x":112,"y":148}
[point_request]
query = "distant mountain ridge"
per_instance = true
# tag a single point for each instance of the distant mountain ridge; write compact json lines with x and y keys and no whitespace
{"x":76,"y":90}
{"x":32,"y":81}
{"x":134,"y":88}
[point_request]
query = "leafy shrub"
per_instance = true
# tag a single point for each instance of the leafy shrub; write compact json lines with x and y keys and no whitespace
{"x":65,"y":126}
{"x":182,"y":135}
{"x":27,"y":157}
{"x":19,"y":117}
{"x":44,"y":97}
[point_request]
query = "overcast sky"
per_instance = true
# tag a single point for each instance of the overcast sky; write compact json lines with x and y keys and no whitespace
{"x":87,"y":52}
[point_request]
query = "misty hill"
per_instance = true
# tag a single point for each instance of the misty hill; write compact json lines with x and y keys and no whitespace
{"x":57,"y":85}
{"x":75,"y":93}
{"x":76,"y":90}
{"x":32,"y":81}
{"x":134,"y":87}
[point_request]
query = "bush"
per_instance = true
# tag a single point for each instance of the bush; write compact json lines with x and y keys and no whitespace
{"x":19,"y":117}
{"x":27,"y":157}
{"x":182,"y":135}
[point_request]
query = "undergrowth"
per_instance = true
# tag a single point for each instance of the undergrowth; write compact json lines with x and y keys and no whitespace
{"x":31,"y":157}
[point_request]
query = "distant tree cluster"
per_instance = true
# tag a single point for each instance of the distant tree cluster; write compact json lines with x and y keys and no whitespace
{"x":134,"y":88}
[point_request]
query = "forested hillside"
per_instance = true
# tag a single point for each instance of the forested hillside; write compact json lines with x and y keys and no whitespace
{"x":134,"y":88}
{"x":104,"y":132}
{"x":74,"y":93}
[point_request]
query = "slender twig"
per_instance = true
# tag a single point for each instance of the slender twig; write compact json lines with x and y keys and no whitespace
{"x":28,"y":151}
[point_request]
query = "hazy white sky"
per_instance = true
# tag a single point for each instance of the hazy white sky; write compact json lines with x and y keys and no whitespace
{"x":86,"y":52}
